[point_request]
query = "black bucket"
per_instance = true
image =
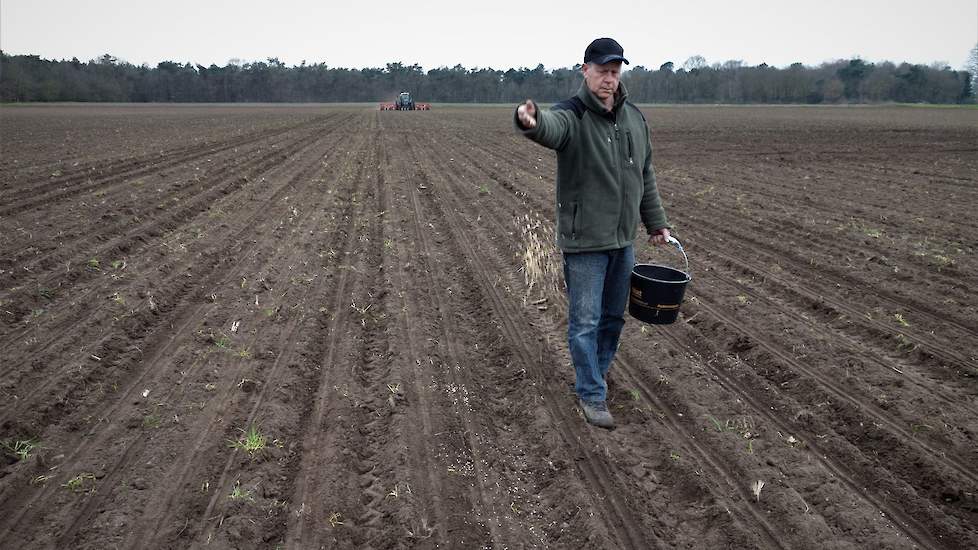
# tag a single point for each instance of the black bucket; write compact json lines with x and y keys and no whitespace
{"x":657,"y":291}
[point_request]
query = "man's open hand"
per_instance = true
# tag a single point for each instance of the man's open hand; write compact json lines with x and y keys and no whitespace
{"x":527,"y":113}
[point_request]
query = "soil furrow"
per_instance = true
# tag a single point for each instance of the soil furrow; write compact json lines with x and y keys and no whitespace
{"x":842,"y":303}
{"x":175,"y":277}
{"x":98,"y":246}
{"x":142,"y":379}
{"x":79,"y":308}
{"x":232,"y":404}
{"x":308,"y":479}
{"x":855,"y":346}
{"x":928,"y":477}
{"x":907,"y":522}
{"x":49,"y":192}
{"x":948,"y":457}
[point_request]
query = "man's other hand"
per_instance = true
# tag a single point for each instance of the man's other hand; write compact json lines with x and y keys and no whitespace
{"x":527,"y":114}
{"x":659,"y":236}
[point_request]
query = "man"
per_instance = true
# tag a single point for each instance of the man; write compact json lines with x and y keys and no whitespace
{"x":605,"y":185}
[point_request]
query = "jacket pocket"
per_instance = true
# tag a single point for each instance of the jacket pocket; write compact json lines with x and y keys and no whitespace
{"x":631,"y":148}
{"x":576,"y":223}
{"x":569,"y":219}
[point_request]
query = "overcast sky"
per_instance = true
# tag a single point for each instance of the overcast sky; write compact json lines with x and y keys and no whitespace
{"x":490,"y":33}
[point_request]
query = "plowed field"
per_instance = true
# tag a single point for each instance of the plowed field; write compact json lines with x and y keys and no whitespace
{"x":305,"y":327}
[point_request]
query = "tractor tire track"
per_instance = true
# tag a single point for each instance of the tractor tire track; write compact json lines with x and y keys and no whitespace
{"x":615,"y":512}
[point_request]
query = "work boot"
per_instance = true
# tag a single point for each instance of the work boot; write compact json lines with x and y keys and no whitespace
{"x":596,"y":412}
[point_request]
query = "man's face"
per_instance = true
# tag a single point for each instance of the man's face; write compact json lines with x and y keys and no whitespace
{"x":602,"y":80}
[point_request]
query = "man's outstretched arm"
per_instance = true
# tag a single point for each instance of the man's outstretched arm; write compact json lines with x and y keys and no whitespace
{"x":552,"y":129}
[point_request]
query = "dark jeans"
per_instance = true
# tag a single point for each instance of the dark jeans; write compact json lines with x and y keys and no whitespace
{"x":597,"y":289}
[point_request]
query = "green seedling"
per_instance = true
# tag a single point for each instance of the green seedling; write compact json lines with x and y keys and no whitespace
{"x":93,"y":263}
{"x":81,"y":483}
{"x":244,"y":354}
{"x":904,"y":343}
{"x":389,"y":243}
{"x":45,"y":293}
{"x":223,"y":342}
{"x":716,"y":423}
{"x":22,"y":449}
{"x":674,"y":455}
{"x":903,"y":322}
{"x":251,"y":441}
{"x":152,"y":421}
{"x":943,"y":261}
{"x":483,"y":189}
{"x":635,"y":395}
{"x":917,"y":428}
{"x":239,"y":493}
{"x":116,"y":264}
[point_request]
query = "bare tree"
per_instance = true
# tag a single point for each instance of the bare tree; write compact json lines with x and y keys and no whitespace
{"x":694,"y":62}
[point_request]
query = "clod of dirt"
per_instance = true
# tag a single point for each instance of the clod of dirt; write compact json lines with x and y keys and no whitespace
{"x":248,"y":385}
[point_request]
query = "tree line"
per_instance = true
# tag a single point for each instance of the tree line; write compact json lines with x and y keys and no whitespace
{"x":31,"y":78}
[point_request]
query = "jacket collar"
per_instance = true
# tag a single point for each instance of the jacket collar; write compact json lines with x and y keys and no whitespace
{"x":592,"y":102}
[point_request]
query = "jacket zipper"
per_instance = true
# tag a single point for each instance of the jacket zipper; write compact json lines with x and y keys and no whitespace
{"x":618,"y":160}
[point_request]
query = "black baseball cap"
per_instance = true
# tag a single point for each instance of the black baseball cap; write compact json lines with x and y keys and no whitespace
{"x":604,"y":50}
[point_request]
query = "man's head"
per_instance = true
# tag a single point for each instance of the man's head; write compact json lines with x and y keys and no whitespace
{"x":602,"y":67}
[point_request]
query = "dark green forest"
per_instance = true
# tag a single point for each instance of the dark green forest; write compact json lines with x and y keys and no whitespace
{"x":30,"y":78}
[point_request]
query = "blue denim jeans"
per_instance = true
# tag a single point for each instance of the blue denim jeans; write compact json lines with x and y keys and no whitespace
{"x":597,"y":290}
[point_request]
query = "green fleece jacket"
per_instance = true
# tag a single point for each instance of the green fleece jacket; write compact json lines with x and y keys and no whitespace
{"x":605,"y":180}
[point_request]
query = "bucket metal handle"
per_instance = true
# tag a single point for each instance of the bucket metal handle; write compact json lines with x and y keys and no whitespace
{"x":675,"y":242}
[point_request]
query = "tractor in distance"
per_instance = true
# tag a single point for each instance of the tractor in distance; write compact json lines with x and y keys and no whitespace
{"x":404,"y":102}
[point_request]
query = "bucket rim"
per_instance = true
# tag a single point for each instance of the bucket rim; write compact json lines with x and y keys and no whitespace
{"x":653,"y":279}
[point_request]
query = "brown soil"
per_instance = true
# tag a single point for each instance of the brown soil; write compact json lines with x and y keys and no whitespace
{"x":352,"y":283}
